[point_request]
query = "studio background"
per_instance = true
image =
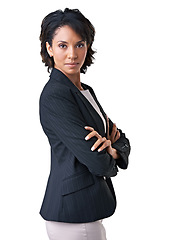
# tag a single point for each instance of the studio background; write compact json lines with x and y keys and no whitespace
{"x":134,"y":77}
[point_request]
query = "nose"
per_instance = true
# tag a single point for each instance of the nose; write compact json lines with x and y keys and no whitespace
{"x":72,"y":53}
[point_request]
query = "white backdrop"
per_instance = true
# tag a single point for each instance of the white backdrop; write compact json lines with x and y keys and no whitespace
{"x":134,"y":78}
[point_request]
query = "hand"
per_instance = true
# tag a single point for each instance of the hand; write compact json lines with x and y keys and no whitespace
{"x":105,"y":143}
{"x":115,"y":134}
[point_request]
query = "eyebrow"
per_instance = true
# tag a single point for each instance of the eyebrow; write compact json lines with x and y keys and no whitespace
{"x":67,"y":42}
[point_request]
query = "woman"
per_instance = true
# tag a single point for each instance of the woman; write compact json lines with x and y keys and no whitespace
{"x":86,"y":147}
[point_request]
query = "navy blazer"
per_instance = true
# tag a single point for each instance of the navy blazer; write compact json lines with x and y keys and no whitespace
{"x":79,"y":187}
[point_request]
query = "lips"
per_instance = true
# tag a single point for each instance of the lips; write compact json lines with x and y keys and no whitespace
{"x":71,"y":64}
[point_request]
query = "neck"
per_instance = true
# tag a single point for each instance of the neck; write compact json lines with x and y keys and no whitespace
{"x":74,"y":78}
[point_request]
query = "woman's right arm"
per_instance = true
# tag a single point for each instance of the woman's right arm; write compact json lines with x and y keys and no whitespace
{"x":61,"y":117}
{"x":102,"y":142}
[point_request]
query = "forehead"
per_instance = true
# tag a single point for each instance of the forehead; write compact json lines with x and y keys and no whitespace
{"x":66,"y":33}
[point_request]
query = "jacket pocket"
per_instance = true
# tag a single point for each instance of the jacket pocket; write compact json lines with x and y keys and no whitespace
{"x":77,"y":182}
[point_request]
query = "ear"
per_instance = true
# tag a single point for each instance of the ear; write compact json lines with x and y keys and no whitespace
{"x":88,"y":45}
{"x":49,"y":49}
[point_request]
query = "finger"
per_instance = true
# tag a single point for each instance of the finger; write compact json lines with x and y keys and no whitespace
{"x":108,"y":127}
{"x":114,"y":131}
{"x":89,"y":128}
{"x":92,"y":134}
{"x":106,"y":144}
{"x":117,"y":135}
{"x":98,"y":142}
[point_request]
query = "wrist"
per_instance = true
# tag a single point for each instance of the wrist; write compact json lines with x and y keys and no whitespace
{"x":115,"y":154}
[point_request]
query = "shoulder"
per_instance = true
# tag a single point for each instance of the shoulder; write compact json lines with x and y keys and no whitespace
{"x":54,"y":87}
{"x":55,"y":90}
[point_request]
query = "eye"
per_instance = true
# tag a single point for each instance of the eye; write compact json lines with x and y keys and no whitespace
{"x":62,"y":45}
{"x":80,"y":45}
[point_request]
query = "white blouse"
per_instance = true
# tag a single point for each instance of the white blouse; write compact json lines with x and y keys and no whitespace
{"x":89,"y":97}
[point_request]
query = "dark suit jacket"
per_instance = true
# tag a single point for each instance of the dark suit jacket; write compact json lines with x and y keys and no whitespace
{"x":79,"y":187}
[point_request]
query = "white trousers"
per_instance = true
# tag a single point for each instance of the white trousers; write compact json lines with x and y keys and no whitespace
{"x":76,"y":231}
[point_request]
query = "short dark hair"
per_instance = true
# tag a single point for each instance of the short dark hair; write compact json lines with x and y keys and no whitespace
{"x":74,"y":19}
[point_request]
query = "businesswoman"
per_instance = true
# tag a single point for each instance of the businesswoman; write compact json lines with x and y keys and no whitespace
{"x":86,"y":147}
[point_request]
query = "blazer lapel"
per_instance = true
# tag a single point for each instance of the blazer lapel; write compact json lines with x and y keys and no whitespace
{"x":90,"y":114}
{"x":99,"y":105}
{"x":96,"y":120}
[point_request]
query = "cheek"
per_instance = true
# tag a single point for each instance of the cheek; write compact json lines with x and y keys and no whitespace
{"x":58,"y":55}
{"x":84,"y":54}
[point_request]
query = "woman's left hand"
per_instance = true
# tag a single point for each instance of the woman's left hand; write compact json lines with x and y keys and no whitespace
{"x":105,"y":143}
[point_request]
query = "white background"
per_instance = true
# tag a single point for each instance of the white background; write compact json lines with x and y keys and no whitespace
{"x":134,"y":78}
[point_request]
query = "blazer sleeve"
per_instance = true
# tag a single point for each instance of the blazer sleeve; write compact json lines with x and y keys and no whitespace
{"x":122,"y":145}
{"x":61,"y":119}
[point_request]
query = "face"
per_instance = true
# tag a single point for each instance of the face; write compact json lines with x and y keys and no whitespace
{"x":68,"y":51}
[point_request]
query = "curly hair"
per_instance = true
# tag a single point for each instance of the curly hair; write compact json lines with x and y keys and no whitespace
{"x":74,"y":19}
